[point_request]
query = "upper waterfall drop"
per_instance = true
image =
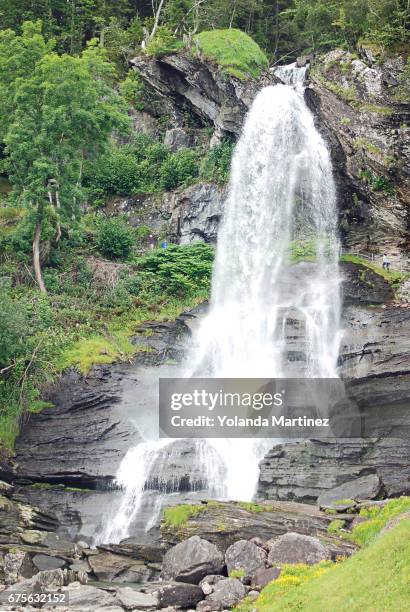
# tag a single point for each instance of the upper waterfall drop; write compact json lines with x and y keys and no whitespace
{"x":269,"y":316}
{"x":281,"y":196}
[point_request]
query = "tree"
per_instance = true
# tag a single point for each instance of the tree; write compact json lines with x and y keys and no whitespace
{"x":62,"y":113}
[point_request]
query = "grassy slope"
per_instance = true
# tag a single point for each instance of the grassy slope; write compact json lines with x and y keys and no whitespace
{"x":392,"y":276}
{"x":234,"y":51}
{"x":374,"y":579}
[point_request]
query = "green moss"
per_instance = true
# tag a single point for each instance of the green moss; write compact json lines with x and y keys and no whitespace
{"x":375,"y":578}
{"x":335,"y":526}
{"x":374,"y":108}
{"x":255,"y":508}
{"x":177,"y":516}
{"x":364,"y":533}
{"x":234,"y":51}
{"x":391,"y":276}
{"x":237,"y":573}
{"x":98,"y":349}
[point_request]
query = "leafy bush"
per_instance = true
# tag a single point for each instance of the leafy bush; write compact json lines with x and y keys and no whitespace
{"x":181,"y":168}
{"x":145,"y":166}
{"x":234,"y":51}
{"x":163,"y":42}
{"x":178,"y":270}
{"x":114,"y":238}
{"x":132,"y":88}
{"x":13,"y":319}
{"x":216,"y":165}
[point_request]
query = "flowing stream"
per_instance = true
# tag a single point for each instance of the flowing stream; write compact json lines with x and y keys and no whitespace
{"x":271,"y":315}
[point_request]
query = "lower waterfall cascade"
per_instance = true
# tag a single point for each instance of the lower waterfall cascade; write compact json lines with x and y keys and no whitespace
{"x":270,"y":316}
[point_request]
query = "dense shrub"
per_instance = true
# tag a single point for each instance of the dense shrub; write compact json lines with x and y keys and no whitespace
{"x":163,"y":42}
{"x":216,"y":165}
{"x":177,"y":270}
{"x":114,"y":238}
{"x":13,"y":319}
{"x":181,"y":168}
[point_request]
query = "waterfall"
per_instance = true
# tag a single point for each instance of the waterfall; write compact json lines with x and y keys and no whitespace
{"x":270,"y":315}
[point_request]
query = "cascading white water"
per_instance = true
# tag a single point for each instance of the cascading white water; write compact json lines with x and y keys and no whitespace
{"x":268,"y":318}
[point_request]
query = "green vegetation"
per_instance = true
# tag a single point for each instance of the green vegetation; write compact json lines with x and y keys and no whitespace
{"x":375,"y":578}
{"x":84,"y":318}
{"x":179,"y":515}
{"x":234,"y":51}
{"x":237,"y":573}
{"x":255,"y":508}
{"x":148,"y":166}
{"x":335,"y":526}
{"x":114,"y":238}
{"x":394,"y":277}
{"x":378,"y":517}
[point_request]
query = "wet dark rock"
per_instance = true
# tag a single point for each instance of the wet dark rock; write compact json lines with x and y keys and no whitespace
{"x":297,"y":548}
{"x":360,"y":489}
{"x":246,"y":556}
{"x":362,"y":285}
{"x":191,"y":560}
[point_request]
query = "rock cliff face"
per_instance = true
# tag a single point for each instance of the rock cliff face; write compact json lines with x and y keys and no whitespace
{"x":200,"y":86}
{"x":361,"y":110}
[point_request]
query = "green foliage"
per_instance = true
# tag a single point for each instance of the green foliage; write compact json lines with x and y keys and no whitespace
{"x":234,"y":51}
{"x":216,"y":165}
{"x":237,"y":573}
{"x":335,"y":526}
{"x":145,"y":166}
{"x":377,"y":518}
{"x":380,"y":183}
{"x":132,"y":88}
{"x":392,"y":276}
{"x":177,"y":516}
{"x":255,"y":508}
{"x":114,"y":238}
{"x":164,"y":42}
{"x":180,"y":168}
{"x":375,"y":578}
{"x":177,"y":270}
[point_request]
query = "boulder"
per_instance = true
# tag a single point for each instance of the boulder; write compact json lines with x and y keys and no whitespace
{"x":47,"y":562}
{"x":192,"y":560}
{"x":208,"y":583}
{"x":84,"y":597}
{"x":297,"y":548}
{"x":246,"y":556}
{"x":179,"y":594}
{"x":107,"y":566}
{"x":130,"y":599}
{"x":226,"y":594}
{"x":17,"y":565}
{"x":360,"y":489}
{"x":262,"y":577}
{"x":42,"y":582}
